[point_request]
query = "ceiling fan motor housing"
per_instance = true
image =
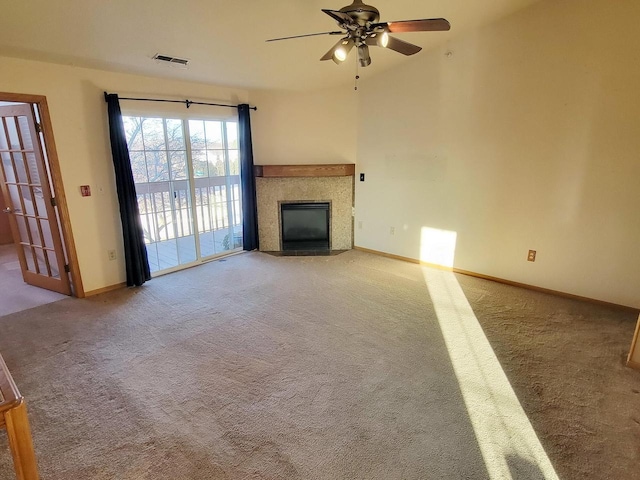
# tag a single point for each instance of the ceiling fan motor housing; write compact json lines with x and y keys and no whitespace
{"x":361,"y":13}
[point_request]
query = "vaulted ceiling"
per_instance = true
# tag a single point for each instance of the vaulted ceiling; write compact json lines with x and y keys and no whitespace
{"x":224,"y":40}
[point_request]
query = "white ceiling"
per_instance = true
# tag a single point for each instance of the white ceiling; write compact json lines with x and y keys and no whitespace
{"x":224,"y":40}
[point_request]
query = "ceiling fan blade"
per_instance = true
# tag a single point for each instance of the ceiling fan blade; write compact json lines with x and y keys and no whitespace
{"x":401,"y":46}
{"x":424,"y":25}
{"x":340,"y":17}
{"x":339,"y":32}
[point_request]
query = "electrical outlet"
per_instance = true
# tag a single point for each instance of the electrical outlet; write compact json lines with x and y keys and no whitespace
{"x":531,"y":257}
{"x":360,"y":225}
{"x":392,"y":230}
{"x":111,"y":254}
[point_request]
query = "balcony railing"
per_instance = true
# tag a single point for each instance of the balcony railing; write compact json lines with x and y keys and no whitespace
{"x":166,"y":214}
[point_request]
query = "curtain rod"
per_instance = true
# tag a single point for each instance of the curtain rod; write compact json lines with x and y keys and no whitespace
{"x":188,"y":103}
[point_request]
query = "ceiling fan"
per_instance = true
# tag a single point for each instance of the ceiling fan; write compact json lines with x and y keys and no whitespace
{"x":361,"y":29}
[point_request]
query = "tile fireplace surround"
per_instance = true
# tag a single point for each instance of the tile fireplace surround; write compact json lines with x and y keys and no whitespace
{"x":332,"y":183}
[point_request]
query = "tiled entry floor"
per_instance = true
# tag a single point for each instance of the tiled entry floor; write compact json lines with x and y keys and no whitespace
{"x":15,"y":295}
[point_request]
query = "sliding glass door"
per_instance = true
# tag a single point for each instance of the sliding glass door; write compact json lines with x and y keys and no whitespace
{"x":214,"y":150}
{"x":188,"y":185}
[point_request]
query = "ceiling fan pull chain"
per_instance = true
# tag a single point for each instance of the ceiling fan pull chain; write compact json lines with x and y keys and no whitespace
{"x":355,"y":86}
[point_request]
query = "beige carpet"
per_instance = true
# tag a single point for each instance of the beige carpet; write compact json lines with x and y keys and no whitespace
{"x":260,"y":367}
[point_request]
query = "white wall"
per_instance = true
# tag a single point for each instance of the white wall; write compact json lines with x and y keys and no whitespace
{"x":78,"y":113}
{"x":292,"y":128}
{"x":526,"y":137}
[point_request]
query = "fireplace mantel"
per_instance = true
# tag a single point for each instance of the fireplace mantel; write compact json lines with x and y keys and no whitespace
{"x":317,"y":170}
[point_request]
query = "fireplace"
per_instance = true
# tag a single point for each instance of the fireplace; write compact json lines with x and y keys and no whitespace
{"x":305,"y":226}
{"x":328,"y":184}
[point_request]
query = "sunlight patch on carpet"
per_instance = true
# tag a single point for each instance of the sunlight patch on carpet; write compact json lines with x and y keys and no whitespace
{"x":509,"y":445}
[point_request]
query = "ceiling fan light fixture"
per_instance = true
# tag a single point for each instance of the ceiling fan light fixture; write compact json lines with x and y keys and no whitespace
{"x":383,"y":40}
{"x":341,"y":53}
{"x":363,"y":55}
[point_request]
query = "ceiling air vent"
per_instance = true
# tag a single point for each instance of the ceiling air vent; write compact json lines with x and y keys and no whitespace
{"x":178,"y":62}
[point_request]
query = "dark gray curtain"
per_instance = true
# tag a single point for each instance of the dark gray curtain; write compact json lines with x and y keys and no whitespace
{"x":135,"y":252}
{"x":247,"y":180}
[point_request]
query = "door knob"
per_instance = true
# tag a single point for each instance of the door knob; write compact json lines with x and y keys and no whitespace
{"x":7,"y":210}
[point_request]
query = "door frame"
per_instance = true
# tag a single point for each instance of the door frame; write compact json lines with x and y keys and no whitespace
{"x":58,"y":186}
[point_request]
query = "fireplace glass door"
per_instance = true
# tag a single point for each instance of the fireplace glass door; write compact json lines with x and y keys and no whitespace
{"x":305,"y":226}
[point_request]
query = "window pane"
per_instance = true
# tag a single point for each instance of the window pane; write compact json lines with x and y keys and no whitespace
{"x":182,"y":208}
{"x":4,"y":143}
{"x":175,"y":134}
{"x":41,"y":260}
{"x":12,"y":128}
{"x":18,"y":162}
{"x":25,"y":193}
{"x":138,"y":167}
{"x":40,"y":204}
{"x":153,"y":134}
{"x":186,"y":249}
{"x":234,"y":163}
{"x":178,"y":165}
{"x":53,"y":263}
{"x":46,"y":233}
{"x":196,"y":133}
{"x":35,"y":233}
{"x":167,"y":254}
{"x":207,"y":247}
{"x":29,"y":257}
{"x":143,"y":204}
{"x":25,"y":133}
{"x":157,"y":166}
{"x":232,"y":135}
{"x":133,"y":132}
{"x":200,"y":167}
{"x":7,"y":164}
{"x":216,"y":163}
{"x":214,"y":134}
{"x":152,"y":253}
{"x":32,"y":166}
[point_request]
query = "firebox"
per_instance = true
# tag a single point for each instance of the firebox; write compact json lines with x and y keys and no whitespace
{"x":305,"y":226}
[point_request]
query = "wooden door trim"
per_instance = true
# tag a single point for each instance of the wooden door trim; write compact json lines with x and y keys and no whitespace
{"x":58,"y":185}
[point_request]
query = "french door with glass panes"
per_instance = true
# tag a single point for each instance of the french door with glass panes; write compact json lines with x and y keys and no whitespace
{"x":26,"y":187}
{"x":188,"y":185}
